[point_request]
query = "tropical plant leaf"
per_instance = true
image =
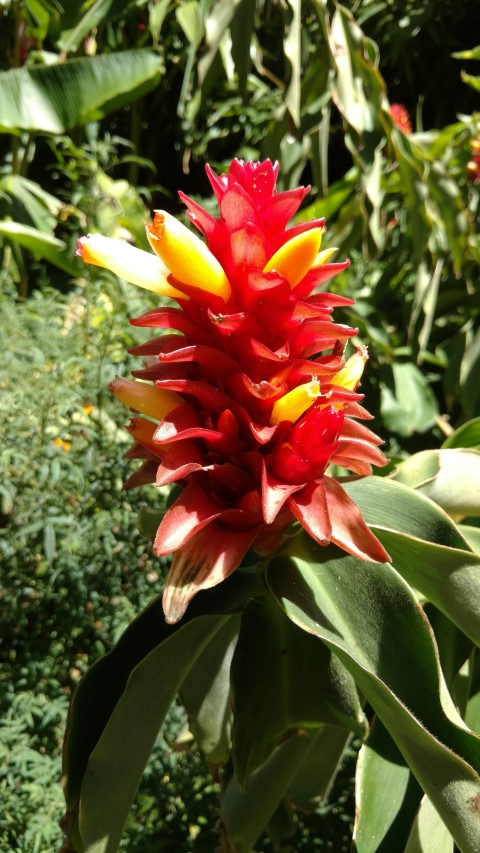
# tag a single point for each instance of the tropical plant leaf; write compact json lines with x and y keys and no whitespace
{"x":54,"y":98}
{"x":246,"y":812}
{"x":41,"y":245}
{"x":467,"y":435}
{"x":205,"y":694}
{"x":407,"y":402}
{"x":370,"y":618}
{"x":295,"y":683}
{"x":425,"y":547}
{"x":449,"y":477}
{"x":118,"y":760}
{"x":387,"y":796}
{"x":429,"y":834}
{"x":139,"y":677}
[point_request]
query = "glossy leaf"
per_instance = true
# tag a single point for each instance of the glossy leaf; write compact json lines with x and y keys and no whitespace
{"x":284,"y":680}
{"x":54,"y":98}
{"x":369,"y":617}
{"x":387,"y":796}
{"x":467,"y":435}
{"x":449,"y":477}
{"x":426,"y":548}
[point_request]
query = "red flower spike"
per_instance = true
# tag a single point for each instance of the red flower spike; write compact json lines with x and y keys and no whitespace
{"x":251,"y":393}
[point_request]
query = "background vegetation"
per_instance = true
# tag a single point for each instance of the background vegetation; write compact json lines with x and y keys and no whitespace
{"x":106,"y":109}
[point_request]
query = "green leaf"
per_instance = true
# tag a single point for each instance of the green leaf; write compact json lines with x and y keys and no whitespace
{"x":393,"y":506}
{"x":283,"y":680}
{"x":450,"y":478}
{"x":41,"y":245}
{"x":444,"y":569}
{"x":104,"y":701}
{"x":467,"y":435}
{"x":96,"y":13}
{"x":116,"y":764}
{"x":246,"y":813}
{"x":205,"y":694}
{"x":370,"y":618}
{"x":387,"y":796}
{"x":54,"y":98}
{"x":472,"y":81}
{"x":429,"y":834}
{"x":30,"y":203}
{"x":407,"y":402}
{"x":315,"y":776}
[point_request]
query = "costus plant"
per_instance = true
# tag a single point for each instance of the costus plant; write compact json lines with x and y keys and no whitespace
{"x":301,"y":605}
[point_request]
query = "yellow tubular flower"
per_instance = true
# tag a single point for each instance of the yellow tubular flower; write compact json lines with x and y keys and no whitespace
{"x":294,"y":259}
{"x":134,"y":265}
{"x":323,"y":257}
{"x":190,"y":260}
{"x":145,"y":398}
{"x":349,"y":376}
{"x":292,"y":405}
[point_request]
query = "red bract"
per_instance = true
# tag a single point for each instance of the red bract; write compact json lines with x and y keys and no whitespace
{"x":247,"y":399}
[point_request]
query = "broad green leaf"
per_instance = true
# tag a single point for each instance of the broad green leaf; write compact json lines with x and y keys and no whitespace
{"x":96,"y":13}
{"x":393,"y":506}
{"x":449,"y":477}
{"x":467,"y":435}
{"x":205,"y":694}
{"x":425,"y":547}
{"x":190,"y":19}
{"x":105,"y":685}
{"x":41,"y":245}
{"x":246,"y":812}
{"x":358,"y":87}
{"x":386,"y":796}
{"x":283,"y":680}
{"x":217,"y":22}
{"x":54,"y":98}
{"x":471,"y":535}
{"x":29,"y":204}
{"x":241,"y":30}
{"x":118,"y":760}
{"x":407,"y":402}
{"x":316,"y":774}
{"x":370,"y":618}
{"x":429,"y":834}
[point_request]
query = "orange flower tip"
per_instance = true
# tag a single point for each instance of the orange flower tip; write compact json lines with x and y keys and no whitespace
{"x":294,"y":259}
{"x":186,"y":256}
{"x":350,"y":375}
{"x":132,"y":264}
{"x":145,"y":398}
{"x":292,"y":405}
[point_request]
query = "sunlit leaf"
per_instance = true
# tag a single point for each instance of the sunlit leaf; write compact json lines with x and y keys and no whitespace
{"x":54,"y":98}
{"x":387,"y":796}
{"x":368,"y":615}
